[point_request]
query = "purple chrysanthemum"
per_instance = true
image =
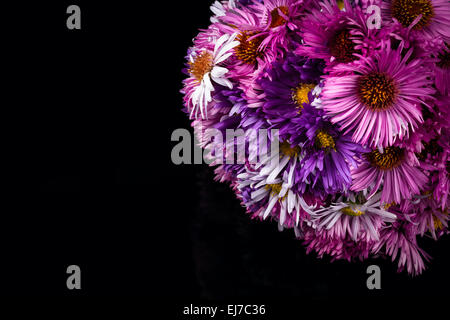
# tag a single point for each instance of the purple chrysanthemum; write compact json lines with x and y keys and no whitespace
{"x":327,"y":155}
{"x":285,"y":89}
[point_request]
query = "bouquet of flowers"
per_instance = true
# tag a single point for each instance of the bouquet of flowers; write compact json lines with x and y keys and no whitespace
{"x":339,"y":114}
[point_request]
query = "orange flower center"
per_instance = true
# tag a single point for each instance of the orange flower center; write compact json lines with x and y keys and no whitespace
{"x":377,"y":91}
{"x":248,"y":50}
{"x":202,"y":65}
{"x":276,"y":19}
{"x":342,"y":47}
{"x":389,"y":159}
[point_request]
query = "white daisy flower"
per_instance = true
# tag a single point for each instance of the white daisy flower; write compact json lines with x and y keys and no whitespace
{"x":205,"y":68}
{"x":271,"y":183}
{"x":356,"y":220}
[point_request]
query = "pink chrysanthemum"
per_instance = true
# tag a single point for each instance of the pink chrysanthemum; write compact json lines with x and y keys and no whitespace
{"x":394,"y":169}
{"x":427,"y":215}
{"x":400,"y":239}
{"x":323,"y":243}
{"x":250,"y":58}
{"x":380,"y":100}
{"x":336,"y":34}
{"x":278,"y":18}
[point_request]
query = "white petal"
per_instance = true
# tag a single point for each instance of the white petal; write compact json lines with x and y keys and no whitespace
{"x":269,"y":208}
{"x":283,"y":215}
{"x":275,"y":172}
{"x":224,"y":82}
{"x":223,"y":57}
{"x":218,"y":72}
{"x":220,"y":42}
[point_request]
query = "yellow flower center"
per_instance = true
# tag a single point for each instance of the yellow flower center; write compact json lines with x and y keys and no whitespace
{"x":388,"y":205}
{"x":324,"y":141}
{"x":405,"y":11}
{"x":202,"y":65}
{"x":287,"y":150}
{"x":438,"y":225}
{"x":389,"y":159}
{"x":300,"y":94}
{"x":350,"y":212}
{"x":274,"y":188}
{"x":340,"y":4}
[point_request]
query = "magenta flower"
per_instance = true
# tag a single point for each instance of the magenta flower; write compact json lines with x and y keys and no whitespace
{"x":400,"y":179}
{"x":335,"y":35}
{"x":400,"y":240}
{"x":427,"y":18}
{"x":279,"y":17}
{"x":379,"y":101}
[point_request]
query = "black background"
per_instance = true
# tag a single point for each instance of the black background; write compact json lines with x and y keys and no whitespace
{"x":89,"y":179}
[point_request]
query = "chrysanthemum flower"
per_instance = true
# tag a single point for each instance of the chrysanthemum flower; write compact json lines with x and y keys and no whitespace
{"x":341,"y":131}
{"x":278,"y":18}
{"x":393,"y":168}
{"x":355,"y":217}
{"x":323,"y":243}
{"x":249,"y":59}
{"x":266,"y":189}
{"x":425,"y":212}
{"x":432,"y":142}
{"x":327,"y":155}
{"x":286,"y":89}
{"x":400,"y":239}
{"x":380,"y":101}
{"x":204,"y":67}
{"x":335,"y":35}
{"x":429,"y":18}
{"x":435,"y":159}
